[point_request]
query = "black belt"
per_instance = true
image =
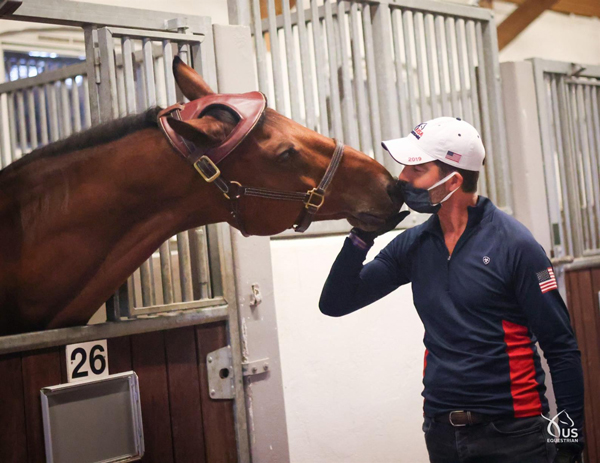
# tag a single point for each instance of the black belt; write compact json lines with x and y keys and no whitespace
{"x":464,"y":418}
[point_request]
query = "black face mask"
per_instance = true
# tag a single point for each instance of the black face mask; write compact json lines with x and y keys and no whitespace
{"x":418,"y":199}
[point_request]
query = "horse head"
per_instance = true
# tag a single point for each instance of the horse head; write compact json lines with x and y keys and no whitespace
{"x":278,"y":157}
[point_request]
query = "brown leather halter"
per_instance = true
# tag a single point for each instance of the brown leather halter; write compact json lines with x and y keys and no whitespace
{"x":249,"y":107}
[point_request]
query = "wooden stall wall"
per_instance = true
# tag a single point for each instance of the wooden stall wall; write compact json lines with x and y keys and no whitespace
{"x":182,"y":424}
{"x":583,"y":292}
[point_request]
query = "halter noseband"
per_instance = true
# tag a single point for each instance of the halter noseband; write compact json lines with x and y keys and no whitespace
{"x":249,"y":107}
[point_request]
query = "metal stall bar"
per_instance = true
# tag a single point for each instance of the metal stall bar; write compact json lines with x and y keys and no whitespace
{"x":53,"y":112}
{"x":459,"y":27}
{"x":348,"y":108}
{"x":66,"y":127}
{"x":290,"y":52}
{"x":31,"y":108}
{"x":21,"y":123}
{"x":594,"y":137}
{"x":410,"y":84}
{"x":276,"y":58}
{"x":334,"y":95}
{"x":372,"y":82}
{"x":259,"y":47}
{"x":405,"y":124}
{"x":43,"y":114}
{"x":12,"y":128}
{"x":320,"y":67}
{"x":456,"y":112}
{"x":428,"y":25}
{"x":366,"y":142}
{"x":305,"y":63}
{"x":75,"y":106}
{"x":439,"y":40}
{"x":418,"y":35}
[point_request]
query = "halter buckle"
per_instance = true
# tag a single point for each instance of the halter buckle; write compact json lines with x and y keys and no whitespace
{"x":199,"y":167}
{"x":312,"y":193}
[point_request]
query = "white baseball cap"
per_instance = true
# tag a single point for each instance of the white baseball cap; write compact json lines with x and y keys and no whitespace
{"x":446,"y":139}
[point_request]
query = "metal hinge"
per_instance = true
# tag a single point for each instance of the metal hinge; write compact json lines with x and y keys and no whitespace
{"x":219,"y":365}
{"x":97,"y":60}
{"x":556,"y":261}
{"x":255,"y":368}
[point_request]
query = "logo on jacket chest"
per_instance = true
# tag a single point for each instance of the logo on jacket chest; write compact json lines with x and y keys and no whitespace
{"x":486,"y":260}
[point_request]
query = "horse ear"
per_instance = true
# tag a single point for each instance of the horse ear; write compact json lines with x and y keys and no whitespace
{"x":205,"y":132}
{"x":190,"y":82}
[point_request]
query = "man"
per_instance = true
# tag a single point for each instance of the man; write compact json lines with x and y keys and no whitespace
{"x":485,"y":292}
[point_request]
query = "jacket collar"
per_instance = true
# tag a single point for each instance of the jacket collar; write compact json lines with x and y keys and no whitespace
{"x":476,"y":213}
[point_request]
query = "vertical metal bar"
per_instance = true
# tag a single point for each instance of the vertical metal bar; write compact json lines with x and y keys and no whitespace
{"x":290,"y":52}
{"x":485,"y":117}
{"x":148,"y":63}
{"x":92,"y":59}
{"x":359,"y":81}
{"x":577,"y":161}
{"x":594,"y":134}
{"x":87,"y":114}
{"x":585,"y":127}
{"x":470,"y":31}
{"x":53,"y":114}
{"x":21,"y":123}
{"x":334,"y":96}
{"x":108,"y":84}
{"x":121,"y":103}
{"x":570,"y":174}
{"x":459,"y":27}
{"x":5,"y":138}
{"x":418,"y":27}
{"x":372,"y":83}
{"x":400,"y":80}
{"x":42,"y":93}
{"x":491,"y":62}
{"x":562,"y":171}
{"x":259,"y":45}
{"x":429,"y":30}
{"x":12,"y":128}
{"x":276,"y":58}
{"x":31,"y":107}
{"x":386,"y":86}
{"x":65,"y":107}
{"x":309,"y":97}
{"x":407,"y":21}
{"x":320,"y":69}
{"x":127,"y":54}
{"x":452,"y":68}
{"x":348,"y":108}
{"x":439,"y":31}
{"x":76,"y":106}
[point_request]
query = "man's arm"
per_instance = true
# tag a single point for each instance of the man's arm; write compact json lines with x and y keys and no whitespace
{"x":549,"y":321}
{"x":352,"y":285}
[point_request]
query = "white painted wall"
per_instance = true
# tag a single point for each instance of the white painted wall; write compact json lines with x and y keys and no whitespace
{"x":352,"y":385}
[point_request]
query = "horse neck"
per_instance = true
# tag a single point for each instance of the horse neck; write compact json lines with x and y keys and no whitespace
{"x":135,"y":183}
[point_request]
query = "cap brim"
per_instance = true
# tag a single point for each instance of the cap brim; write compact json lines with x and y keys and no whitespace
{"x":405,"y":151}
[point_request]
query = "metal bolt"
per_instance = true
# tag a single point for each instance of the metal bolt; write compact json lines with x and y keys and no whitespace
{"x":266,"y":367}
{"x":212,"y":392}
{"x":209,"y":359}
{"x":254,"y":369}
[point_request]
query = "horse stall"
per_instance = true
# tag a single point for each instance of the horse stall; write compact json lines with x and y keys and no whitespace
{"x":175,"y":322}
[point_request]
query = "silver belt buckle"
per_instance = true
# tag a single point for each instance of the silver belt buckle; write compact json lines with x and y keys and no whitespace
{"x":460,"y":411}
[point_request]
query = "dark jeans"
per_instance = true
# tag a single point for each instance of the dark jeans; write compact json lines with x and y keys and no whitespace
{"x":511,"y":440}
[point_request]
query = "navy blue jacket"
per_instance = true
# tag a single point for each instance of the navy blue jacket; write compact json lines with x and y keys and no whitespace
{"x":483,"y":309}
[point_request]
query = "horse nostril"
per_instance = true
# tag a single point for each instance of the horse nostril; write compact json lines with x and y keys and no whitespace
{"x":395,"y":192}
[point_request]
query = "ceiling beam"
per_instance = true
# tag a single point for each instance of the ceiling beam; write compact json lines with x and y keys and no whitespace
{"x":519,"y":19}
{"x":578,"y":7}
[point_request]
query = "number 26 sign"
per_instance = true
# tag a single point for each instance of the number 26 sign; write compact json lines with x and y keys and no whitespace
{"x":88,"y":360}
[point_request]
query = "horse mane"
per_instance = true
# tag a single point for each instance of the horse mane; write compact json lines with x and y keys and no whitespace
{"x":98,"y":135}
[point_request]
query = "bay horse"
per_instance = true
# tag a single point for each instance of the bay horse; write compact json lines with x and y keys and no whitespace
{"x":78,"y":216}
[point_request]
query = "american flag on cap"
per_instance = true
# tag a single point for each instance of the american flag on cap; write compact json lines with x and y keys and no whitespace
{"x":547,"y":280}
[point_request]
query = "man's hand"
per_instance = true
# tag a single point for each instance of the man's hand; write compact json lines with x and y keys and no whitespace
{"x":568,"y":454}
{"x":369,"y":236}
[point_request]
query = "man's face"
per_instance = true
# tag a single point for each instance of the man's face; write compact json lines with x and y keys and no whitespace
{"x":424,"y":176}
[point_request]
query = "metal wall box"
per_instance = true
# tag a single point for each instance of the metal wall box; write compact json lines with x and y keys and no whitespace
{"x":93,"y":421}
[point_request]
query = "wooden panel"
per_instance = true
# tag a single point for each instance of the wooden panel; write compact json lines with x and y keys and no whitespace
{"x":217,"y":415}
{"x":184,"y":396}
{"x":13,"y":446}
{"x":527,"y":12}
{"x":148,"y":359}
{"x":41,"y":368}
{"x":119,"y":355}
{"x":579,"y":300}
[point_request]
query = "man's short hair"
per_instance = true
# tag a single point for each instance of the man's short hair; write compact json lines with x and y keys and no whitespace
{"x":470,"y":177}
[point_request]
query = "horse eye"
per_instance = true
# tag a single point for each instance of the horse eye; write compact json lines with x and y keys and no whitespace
{"x":287,"y":154}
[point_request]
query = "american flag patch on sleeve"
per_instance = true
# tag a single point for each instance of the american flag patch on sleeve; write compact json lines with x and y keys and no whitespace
{"x":547,"y":280}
